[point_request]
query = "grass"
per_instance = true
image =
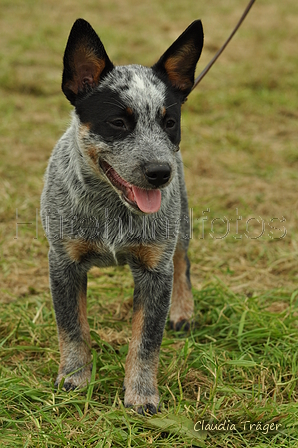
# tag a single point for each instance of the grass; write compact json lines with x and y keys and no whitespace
{"x":238,"y":366}
{"x":239,"y":149}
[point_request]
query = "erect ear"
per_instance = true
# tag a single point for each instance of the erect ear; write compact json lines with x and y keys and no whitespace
{"x":85,"y":61}
{"x":179,"y":62}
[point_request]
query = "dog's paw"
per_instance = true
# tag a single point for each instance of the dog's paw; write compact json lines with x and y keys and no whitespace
{"x":145,"y":409}
{"x":75,"y":381}
{"x":148,"y":408}
{"x":142,"y":404}
{"x":181,"y":325}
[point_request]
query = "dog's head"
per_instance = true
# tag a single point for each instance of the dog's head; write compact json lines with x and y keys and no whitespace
{"x":129,"y":117}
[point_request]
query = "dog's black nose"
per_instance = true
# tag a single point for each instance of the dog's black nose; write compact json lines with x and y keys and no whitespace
{"x":157,"y":174}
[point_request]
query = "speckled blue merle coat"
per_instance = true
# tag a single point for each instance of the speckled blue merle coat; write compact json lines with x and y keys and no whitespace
{"x":114,"y":193}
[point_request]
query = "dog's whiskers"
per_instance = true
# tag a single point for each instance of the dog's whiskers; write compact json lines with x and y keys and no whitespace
{"x":171,"y":105}
{"x":114,"y":104}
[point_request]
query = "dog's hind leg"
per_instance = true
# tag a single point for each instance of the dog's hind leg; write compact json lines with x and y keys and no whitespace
{"x":182,"y":304}
{"x":68,"y":287}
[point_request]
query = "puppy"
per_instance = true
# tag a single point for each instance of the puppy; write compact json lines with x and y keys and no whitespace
{"x":114,"y":194}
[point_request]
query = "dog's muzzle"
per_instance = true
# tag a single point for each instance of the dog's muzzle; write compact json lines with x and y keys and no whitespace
{"x":141,"y":199}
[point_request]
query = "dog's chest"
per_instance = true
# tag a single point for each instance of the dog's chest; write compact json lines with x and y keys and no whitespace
{"x":98,"y":253}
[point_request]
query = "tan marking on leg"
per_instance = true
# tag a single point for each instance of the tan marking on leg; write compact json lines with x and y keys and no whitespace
{"x":73,"y":355}
{"x":76,"y":350}
{"x":134,"y":345}
{"x":148,"y":255}
{"x":182,"y":301}
{"x":78,"y":248}
{"x":140,"y":374}
{"x":76,"y":354}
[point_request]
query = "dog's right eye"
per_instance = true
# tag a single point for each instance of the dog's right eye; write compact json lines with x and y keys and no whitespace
{"x":118,"y":123}
{"x":170,"y":123}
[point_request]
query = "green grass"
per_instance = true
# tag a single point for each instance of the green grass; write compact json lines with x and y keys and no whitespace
{"x":239,"y":148}
{"x":238,"y":366}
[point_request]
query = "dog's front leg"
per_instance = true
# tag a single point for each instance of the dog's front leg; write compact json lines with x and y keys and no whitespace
{"x":68,"y":286}
{"x":150,"y":308}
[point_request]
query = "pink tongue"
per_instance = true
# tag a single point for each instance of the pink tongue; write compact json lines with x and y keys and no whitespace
{"x":148,"y":201}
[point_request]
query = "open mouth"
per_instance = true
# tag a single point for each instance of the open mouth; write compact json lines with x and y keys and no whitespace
{"x":148,"y":201}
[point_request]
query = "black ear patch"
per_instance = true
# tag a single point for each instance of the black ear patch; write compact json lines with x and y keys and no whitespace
{"x":179,"y":62}
{"x":85,"y":61}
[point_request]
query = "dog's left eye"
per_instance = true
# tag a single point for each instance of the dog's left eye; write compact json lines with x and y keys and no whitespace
{"x":170,"y":123}
{"x":118,"y":123}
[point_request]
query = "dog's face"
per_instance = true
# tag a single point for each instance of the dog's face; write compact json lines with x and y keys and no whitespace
{"x":129,"y":117}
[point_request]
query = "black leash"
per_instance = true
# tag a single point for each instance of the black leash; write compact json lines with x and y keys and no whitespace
{"x":208,"y":66}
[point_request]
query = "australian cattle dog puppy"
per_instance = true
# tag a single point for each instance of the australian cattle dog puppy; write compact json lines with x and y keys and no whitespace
{"x":114,"y":194}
